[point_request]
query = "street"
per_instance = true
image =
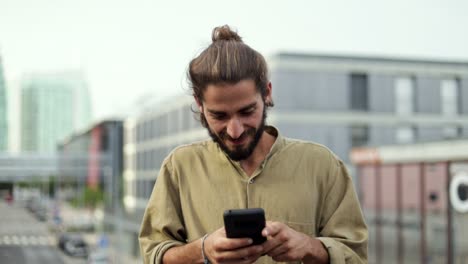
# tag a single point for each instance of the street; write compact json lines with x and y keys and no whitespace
{"x":24,"y":239}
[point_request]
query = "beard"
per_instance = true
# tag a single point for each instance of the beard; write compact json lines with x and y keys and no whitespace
{"x":239,"y":152}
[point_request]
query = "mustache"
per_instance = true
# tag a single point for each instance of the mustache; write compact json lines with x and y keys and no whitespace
{"x":225,"y":136}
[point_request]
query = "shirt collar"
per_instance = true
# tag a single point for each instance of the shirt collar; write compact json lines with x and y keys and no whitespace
{"x":276,"y":147}
{"x":279,"y":141}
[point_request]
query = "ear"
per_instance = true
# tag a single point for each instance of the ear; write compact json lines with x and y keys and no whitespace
{"x":199,"y":104}
{"x":268,"y":97}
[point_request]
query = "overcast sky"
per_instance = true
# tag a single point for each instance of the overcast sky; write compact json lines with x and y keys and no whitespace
{"x":129,"y":49}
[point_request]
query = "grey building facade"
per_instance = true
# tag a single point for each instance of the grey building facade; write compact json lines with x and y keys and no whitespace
{"x":149,"y":136}
{"x":348,"y":101}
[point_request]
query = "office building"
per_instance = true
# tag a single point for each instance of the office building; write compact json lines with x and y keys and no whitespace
{"x":52,"y":107}
{"x":350,"y":101}
{"x":93,"y":158}
{"x":149,"y":136}
{"x":3,"y":112}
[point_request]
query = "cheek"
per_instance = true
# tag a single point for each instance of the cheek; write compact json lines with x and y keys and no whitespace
{"x":254,"y":120}
{"x":215,"y":125}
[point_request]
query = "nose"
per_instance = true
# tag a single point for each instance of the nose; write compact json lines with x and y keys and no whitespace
{"x":234,"y":128}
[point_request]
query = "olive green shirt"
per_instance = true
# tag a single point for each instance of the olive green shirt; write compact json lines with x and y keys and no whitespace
{"x":301,"y":184}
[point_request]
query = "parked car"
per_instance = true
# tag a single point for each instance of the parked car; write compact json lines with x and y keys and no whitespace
{"x":39,"y":207}
{"x":41,"y":214}
{"x":73,"y":244}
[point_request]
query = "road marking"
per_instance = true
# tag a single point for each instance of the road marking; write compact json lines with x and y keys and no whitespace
{"x":33,"y":240}
{"x":25,"y":240}
{"x":43,"y":240}
{"x":15,"y":240}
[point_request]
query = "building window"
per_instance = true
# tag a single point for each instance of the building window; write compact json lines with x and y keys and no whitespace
{"x":449,"y":94}
{"x":359,"y":135}
{"x":405,"y":134}
{"x":451,"y":131}
{"x":450,"y":105}
{"x":359,"y":92}
{"x":404,"y":96}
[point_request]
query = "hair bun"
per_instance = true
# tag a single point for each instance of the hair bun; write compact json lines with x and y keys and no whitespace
{"x":224,"y":33}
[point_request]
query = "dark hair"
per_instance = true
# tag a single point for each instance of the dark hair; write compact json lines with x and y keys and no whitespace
{"x":227,"y":60}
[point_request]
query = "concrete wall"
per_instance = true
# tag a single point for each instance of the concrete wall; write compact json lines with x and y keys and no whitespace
{"x":302,"y":90}
{"x":335,"y":137}
{"x":428,"y":133}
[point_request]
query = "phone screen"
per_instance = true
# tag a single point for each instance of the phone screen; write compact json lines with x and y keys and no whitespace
{"x":242,"y":223}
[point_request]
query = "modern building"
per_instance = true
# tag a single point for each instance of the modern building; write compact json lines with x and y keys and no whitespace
{"x":149,"y":136}
{"x":349,"y":101}
{"x":339,"y":101}
{"x":52,"y":107}
{"x":3,"y":112}
{"x":93,"y":158}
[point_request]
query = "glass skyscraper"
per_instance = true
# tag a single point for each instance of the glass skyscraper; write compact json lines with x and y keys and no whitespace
{"x":3,"y":112}
{"x":52,"y":107}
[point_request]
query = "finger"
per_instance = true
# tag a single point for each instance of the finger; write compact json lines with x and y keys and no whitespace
{"x":246,"y":260}
{"x":272,"y":228}
{"x":277,"y":251}
{"x":270,"y":244}
{"x":279,"y":258}
{"x":279,"y":238}
{"x":282,"y":257}
{"x":242,"y":254}
{"x":251,"y":259}
{"x":229,"y":244}
{"x":241,"y":261}
{"x":221,"y":242}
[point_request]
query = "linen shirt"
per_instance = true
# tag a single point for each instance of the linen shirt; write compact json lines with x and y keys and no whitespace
{"x":301,"y":184}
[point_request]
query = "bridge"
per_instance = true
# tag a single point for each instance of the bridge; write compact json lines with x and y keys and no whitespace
{"x":42,"y":169}
{"x":27,"y":166}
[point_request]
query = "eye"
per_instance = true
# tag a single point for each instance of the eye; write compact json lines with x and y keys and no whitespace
{"x":248,"y":112}
{"x":218,"y":116}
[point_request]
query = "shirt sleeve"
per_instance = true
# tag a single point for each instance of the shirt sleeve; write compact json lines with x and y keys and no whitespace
{"x":162,"y":226}
{"x":342,"y":227}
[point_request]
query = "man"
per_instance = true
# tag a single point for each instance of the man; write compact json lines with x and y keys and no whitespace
{"x":313,"y":215}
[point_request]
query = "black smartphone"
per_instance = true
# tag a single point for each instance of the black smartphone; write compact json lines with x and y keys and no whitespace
{"x":241,"y":223}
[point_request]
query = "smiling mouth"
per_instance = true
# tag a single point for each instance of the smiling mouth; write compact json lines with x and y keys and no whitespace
{"x":239,"y":141}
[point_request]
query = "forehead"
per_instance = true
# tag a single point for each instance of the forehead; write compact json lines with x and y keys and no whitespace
{"x":220,"y":96}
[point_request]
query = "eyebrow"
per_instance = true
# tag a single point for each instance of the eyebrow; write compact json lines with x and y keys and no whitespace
{"x":245,"y":108}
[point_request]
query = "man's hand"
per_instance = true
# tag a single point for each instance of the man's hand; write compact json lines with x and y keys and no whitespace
{"x":285,"y":244}
{"x":220,"y":249}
